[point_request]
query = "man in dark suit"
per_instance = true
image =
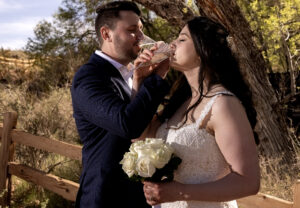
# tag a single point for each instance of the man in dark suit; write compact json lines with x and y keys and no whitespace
{"x":106,"y":112}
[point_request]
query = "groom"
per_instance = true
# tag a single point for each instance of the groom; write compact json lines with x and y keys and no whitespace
{"x":107,"y":115}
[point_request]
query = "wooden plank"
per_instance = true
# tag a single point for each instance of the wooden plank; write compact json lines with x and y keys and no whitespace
{"x":264,"y":201}
{"x":43,"y":143}
{"x":10,"y":122}
{"x":16,"y":60}
{"x":297,"y":195}
{"x":65,"y":188}
{"x":1,"y":130}
{"x":12,"y":149}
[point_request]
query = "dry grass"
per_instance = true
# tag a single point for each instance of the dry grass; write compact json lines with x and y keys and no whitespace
{"x":278,"y":179}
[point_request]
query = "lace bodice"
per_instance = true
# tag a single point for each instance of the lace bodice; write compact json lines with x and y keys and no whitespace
{"x":202,"y":160}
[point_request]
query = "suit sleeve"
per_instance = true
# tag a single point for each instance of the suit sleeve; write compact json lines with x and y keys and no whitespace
{"x":101,"y":105}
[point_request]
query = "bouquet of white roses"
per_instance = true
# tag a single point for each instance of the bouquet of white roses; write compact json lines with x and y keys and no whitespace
{"x":151,"y":159}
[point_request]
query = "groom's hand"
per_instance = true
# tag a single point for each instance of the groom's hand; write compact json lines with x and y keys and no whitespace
{"x":141,"y":72}
{"x":160,"y":69}
{"x":138,"y":77}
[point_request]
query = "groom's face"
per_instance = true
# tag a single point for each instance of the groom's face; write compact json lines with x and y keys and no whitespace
{"x":126,"y":35}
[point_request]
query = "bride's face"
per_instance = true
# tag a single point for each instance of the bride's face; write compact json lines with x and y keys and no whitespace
{"x":185,"y":57}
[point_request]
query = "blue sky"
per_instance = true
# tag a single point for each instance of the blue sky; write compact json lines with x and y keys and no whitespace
{"x":19,"y":17}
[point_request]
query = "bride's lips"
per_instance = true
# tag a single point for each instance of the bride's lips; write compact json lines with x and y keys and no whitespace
{"x":172,"y":57}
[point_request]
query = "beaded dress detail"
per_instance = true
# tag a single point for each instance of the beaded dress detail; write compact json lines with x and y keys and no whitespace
{"x":202,"y":160}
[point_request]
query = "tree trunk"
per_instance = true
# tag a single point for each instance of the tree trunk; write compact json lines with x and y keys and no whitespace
{"x":289,"y":63}
{"x":276,"y":140}
{"x":176,"y":11}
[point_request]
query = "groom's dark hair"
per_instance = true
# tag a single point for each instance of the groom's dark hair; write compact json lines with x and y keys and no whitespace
{"x":107,"y":14}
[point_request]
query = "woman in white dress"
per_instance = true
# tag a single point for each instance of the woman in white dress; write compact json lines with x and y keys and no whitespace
{"x":209,"y":121}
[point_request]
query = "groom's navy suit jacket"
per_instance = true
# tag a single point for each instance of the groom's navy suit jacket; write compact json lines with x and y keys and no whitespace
{"x":107,"y":120}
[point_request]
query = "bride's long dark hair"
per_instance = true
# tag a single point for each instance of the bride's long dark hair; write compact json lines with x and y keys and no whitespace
{"x":218,"y":66}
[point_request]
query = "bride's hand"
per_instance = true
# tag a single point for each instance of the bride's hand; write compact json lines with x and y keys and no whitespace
{"x":157,"y":193}
{"x":150,"y":131}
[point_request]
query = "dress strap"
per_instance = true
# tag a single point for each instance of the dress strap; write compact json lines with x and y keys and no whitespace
{"x":209,"y":105}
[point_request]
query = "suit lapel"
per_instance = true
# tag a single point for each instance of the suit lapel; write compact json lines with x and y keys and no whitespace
{"x":115,"y":74}
{"x":121,"y":85}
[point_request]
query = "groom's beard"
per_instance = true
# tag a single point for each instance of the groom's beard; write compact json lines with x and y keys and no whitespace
{"x":126,"y":50}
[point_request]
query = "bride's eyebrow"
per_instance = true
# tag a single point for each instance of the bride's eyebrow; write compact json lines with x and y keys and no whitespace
{"x":181,"y":34}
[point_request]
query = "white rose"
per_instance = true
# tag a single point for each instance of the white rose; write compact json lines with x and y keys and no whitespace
{"x":128,"y":163}
{"x":136,"y":145}
{"x":154,"y":141}
{"x":161,"y":156}
{"x":147,"y":146}
{"x":160,"y":151}
{"x":144,"y":167}
{"x":155,"y":149}
{"x":144,"y":150}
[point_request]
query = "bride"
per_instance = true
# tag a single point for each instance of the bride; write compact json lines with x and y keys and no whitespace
{"x":209,"y":121}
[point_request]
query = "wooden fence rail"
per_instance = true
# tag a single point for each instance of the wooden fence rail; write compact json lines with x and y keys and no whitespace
{"x":68,"y":189}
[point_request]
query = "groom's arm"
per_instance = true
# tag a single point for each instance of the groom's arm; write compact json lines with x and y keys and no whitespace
{"x":101,"y":104}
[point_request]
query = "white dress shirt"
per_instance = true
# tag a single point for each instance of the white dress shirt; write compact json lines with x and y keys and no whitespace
{"x":124,"y":71}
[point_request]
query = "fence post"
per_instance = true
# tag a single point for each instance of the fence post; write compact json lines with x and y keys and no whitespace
{"x":9,"y":122}
{"x":297,"y":194}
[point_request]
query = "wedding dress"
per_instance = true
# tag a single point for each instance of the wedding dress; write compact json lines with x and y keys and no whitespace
{"x":202,"y":160}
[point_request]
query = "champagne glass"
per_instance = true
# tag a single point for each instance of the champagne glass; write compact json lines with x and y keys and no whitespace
{"x":146,"y":43}
{"x":162,"y":53}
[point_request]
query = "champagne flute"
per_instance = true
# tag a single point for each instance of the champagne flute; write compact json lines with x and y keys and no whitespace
{"x":162,"y":53}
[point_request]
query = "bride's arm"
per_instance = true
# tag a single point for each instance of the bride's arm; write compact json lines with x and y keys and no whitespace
{"x":235,"y":139}
{"x":151,"y":129}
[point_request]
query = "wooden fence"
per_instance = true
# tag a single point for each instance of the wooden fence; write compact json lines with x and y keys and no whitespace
{"x":9,"y":136}
{"x":16,"y":62}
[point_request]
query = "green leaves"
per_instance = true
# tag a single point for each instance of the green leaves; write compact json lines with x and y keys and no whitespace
{"x":275,"y":23}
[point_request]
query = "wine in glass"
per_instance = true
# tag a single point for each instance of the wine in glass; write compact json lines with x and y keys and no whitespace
{"x":162,"y":53}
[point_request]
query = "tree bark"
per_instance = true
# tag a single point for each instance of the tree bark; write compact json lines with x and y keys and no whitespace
{"x":176,"y":11}
{"x":276,"y":140}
